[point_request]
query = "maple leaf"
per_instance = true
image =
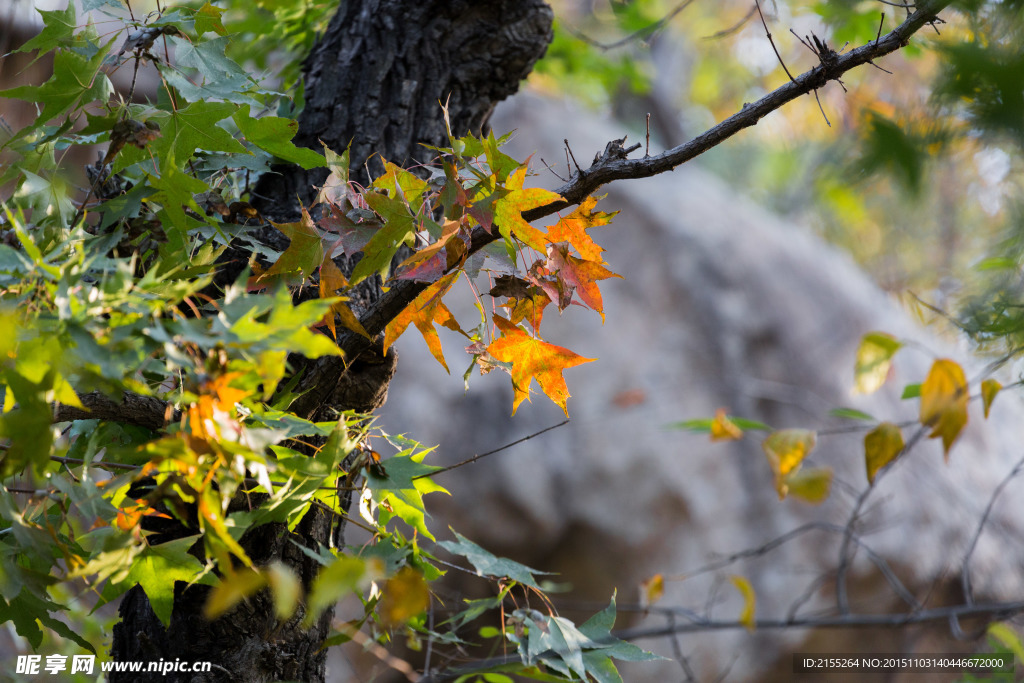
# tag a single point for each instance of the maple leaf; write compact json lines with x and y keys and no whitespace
{"x":572,"y":228}
{"x":430,"y":262}
{"x":534,"y":359}
{"x":526,"y":301}
{"x":989,"y":389}
{"x":786,"y":450}
{"x":557,"y":290}
{"x":579,"y":274}
{"x":508,"y":211}
{"x":874,"y":359}
{"x":749,"y":600}
{"x":335,"y":189}
{"x":401,"y":184}
{"x":530,"y":309}
{"x":351,"y":236}
{"x":331,"y":280}
{"x":305,"y":252}
{"x":399,"y":228}
{"x":453,"y":196}
{"x":724,"y":429}
{"x":424,"y":311}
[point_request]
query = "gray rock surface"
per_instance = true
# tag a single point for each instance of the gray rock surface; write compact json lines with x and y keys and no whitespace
{"x":722,"y":305}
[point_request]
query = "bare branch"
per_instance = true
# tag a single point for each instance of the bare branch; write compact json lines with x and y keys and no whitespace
{"x":473,"y":459}
{"x":613,"y":164}
{"x":145,"y":411}
{"x":768,"y":33}
{"x":965,"y":569}
{"x":997,"y":611}
{"x":641,"y":34}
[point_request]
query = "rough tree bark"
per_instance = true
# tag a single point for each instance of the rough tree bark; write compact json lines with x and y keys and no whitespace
{"x":375,"y":79}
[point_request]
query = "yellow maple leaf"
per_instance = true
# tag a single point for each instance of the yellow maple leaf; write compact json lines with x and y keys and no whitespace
{"x":572,"y":228}
{"x":989,"y":389}
{"x":811,"y":485}
{"x":331,"y":280}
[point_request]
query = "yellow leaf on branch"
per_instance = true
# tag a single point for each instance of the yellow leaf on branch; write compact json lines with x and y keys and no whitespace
{"x":989,"y":389}
{"x":811,"y":485}
{"x":749,"y":600}
{"x":724,"y":429}
{"x":874,"y":358}
{"x":881,"y":445}
{"x":534,"y":359}
{"x":786,"y":449}
{"x":944,"y":402}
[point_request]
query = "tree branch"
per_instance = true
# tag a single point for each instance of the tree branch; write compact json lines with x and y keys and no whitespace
{"x":613,"y":165}
{"x":145,"y":411}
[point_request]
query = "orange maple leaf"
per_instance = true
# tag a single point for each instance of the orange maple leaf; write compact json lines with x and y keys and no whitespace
{"x":331,"y":280}
{"x":579,"y":273}
{"x":425,"y":310}
{"x":530,"y":309}
{"x":534,"y":359}
{"x":572,"y":228}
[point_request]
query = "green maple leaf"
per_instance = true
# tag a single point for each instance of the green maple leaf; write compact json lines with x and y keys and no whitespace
{"x":487,"y":564}
{"x":404,"y":487}
{"x":274,"y":134}
{"x":74,"y":78}
{"x":230,"y":88}
{"x":207,"y":58}
{"x":175,"y":189}
{"x":185,"y":131}
{"x":58,"y":27}
{"x":158,"y":567}
{"x":304,"y":254}
{"x":208,"y":18}
{"x":500,"y":163}
{"x":398,"y":229}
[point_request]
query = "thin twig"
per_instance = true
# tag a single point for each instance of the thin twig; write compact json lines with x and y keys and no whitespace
{"x":965,"y":568}
{"x":725,"y":32}
{"x":644,"y":32}
{"x":768,"y":33}
{"x":467,"y":461}
{"x":569,"y":150}
{"x":647,"y":149}
{"x":553,"y":171}
{"x":845,"y":558}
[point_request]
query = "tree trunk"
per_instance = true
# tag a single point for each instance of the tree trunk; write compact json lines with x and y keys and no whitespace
{"x":376,"y":79}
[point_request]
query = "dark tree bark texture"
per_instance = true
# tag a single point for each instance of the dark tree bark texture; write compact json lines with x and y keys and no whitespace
{"x":377,"y":79}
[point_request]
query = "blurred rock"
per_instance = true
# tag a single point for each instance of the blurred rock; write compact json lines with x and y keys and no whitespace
{"x":722,"y":305}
